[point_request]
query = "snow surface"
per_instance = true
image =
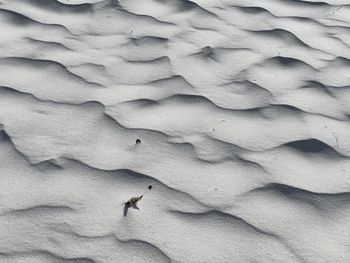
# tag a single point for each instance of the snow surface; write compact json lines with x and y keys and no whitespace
{"x":241,"y":108}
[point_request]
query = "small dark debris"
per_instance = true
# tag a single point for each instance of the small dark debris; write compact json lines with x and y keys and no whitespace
{"x":150,"y":187}
{"x":138,"y":141}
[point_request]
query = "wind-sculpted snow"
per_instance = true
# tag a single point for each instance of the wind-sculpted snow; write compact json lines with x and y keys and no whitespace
{"x":235,"y":112}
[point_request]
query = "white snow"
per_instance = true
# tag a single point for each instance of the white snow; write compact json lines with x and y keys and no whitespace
{"x":242,"y":112}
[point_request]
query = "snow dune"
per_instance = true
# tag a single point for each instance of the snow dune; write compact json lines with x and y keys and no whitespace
{"x":241,"y":113}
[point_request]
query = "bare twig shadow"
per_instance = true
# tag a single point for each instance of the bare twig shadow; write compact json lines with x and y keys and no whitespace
{"x":127,"y":205}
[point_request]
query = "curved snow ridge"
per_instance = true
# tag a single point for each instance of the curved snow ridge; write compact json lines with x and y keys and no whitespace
{"x":269,"y":209}
{"x":37,"y":210}
{"x":42,"y":256}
